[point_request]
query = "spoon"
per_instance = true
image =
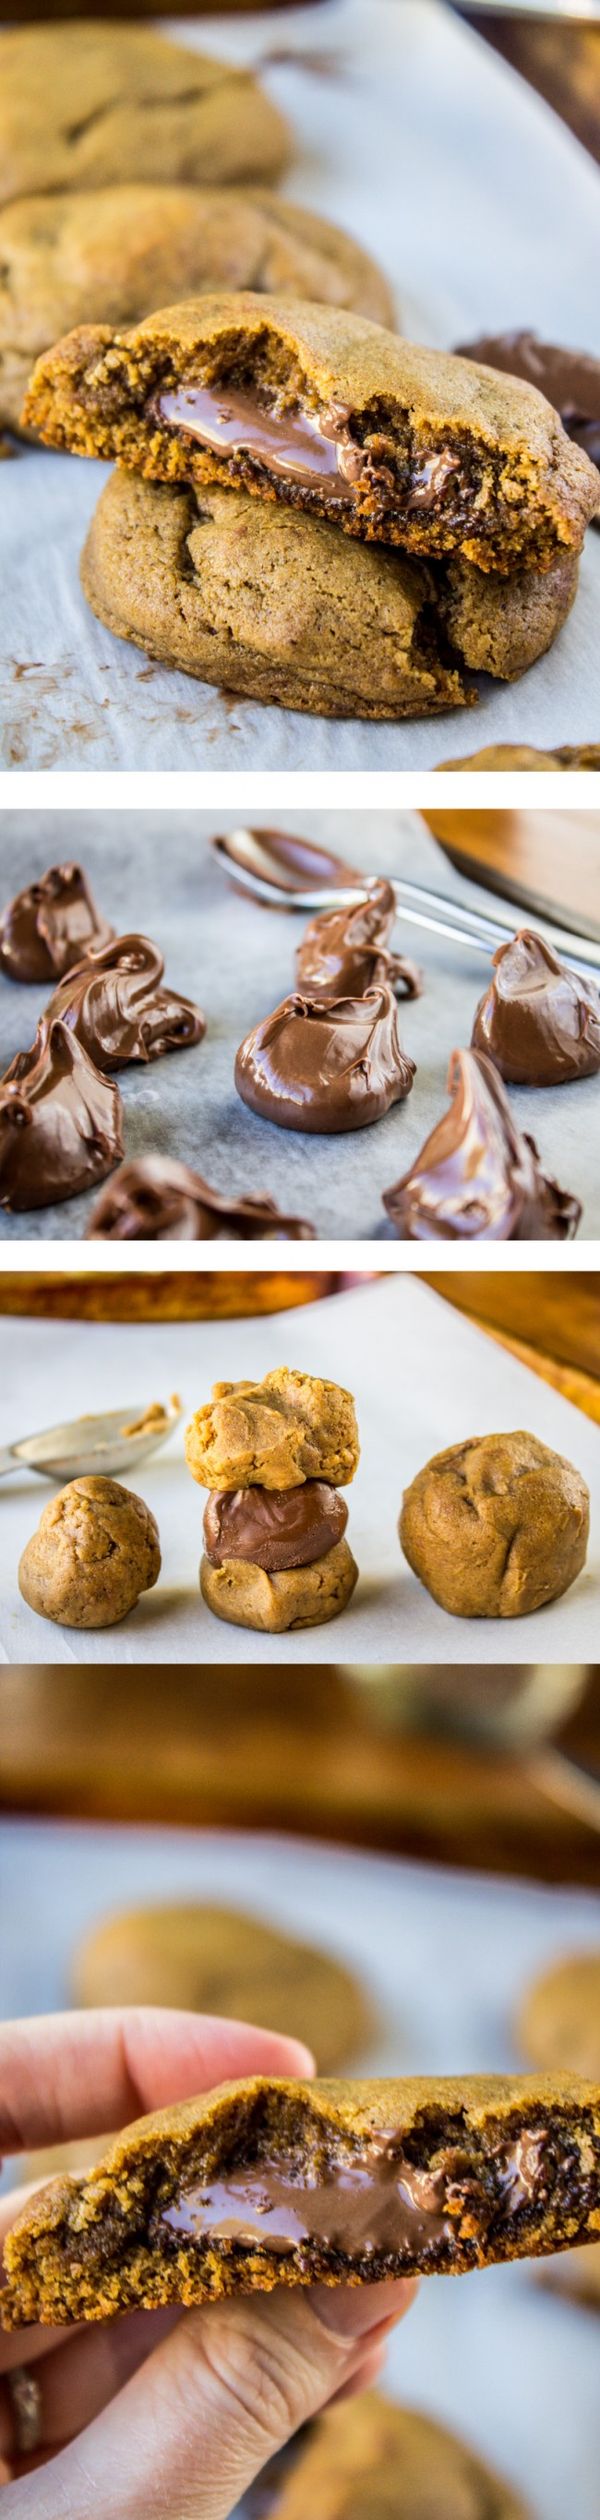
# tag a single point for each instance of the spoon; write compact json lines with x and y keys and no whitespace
{"x":115,"y":1441}
{"x":290,"y":874}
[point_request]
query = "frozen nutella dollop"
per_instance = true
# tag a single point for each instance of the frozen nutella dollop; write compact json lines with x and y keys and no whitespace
{"x":50,"y":925}
{"x":114,"y":1003}
{"x":538,"y":1021}
{"x":325,"y":1066}
{"x":60,"y":1121}
{"x":275,"y":1528}
{"x":477,"y":1177}
{"x":154,"y":1198}
{"x":345,"y":952}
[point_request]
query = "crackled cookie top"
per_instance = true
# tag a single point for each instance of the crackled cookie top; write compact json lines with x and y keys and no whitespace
{"x":99,"y":104}
{"x":319,"y":408}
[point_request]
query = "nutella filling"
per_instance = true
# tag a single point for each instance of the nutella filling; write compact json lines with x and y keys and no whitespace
{"x":313,"y":453}
{"x":274,"y":1528}
{"x":382,"y":2205}
{"x":317,"y":454}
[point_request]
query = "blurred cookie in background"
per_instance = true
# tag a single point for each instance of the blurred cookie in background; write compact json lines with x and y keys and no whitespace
{"x":217,"y":1960}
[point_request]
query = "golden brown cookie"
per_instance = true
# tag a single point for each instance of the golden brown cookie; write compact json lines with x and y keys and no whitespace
{"x":275,"y":606}
{"x":500,"y":626}
{"x":274,"y":1434}
{"x":250,"y":2186}
{"x":559,"y":2017}
{"x":73,"y":257}
{"x":121,"y":104}
{"x":370,"y":2460}
{"x":576,"y":2276}
{"x":296,"y":1597}
{"x":95,"y":1550}
{"x":496,"y":1527}
{"x":219,"y":1960}
{"x":525,"y":757}
{"x":332,"y":415}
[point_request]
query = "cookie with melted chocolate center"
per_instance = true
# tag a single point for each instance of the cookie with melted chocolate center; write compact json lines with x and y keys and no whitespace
{"x":331,"y":415}
{"x":268,"y":2182}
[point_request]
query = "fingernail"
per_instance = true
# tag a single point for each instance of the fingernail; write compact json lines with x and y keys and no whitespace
{"x":351,"y":2310}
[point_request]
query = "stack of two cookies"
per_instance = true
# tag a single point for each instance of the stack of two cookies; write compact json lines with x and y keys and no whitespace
{"x":312,"y":511}
{"x":274,"y":1456}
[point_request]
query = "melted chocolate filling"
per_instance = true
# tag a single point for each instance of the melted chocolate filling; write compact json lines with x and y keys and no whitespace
{"x":307,"y":451}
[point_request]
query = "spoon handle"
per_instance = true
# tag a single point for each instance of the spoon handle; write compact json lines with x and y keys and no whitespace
{"x":8,"y":1460}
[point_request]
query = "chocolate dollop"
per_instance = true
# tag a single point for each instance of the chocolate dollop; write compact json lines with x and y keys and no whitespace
{"x":115,"y":1005}
{"x":325,"y":1067}
{"x":50,"y":925}
{"x":538,"y":1021}
{"x":570,"y":379}
{"x":477,"y":1177}
{"x":345,"y":952}
{"x":155,"y":1199}
{"x":60,"y":1121}
{"x":274,"y":1527}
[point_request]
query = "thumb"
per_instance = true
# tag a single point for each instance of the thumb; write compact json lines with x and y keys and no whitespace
{"x":222,"y":2393}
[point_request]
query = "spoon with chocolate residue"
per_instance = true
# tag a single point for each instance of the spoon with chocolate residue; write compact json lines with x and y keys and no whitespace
{"x":287,"y":873}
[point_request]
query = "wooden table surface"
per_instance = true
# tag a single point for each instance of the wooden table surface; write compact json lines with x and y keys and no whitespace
{"x":303,"y":1750}
{"x":561,"y":61}
{"x":547,"y":860}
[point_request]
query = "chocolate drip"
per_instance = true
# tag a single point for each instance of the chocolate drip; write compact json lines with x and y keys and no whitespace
{"x":60,"y":1121}
{"x":275,"y":1528}
{"x":538,"y":1021}
{"x":378,"y":2205}
{"x":328,"y":1067}
{"x":114,"y":1004}
{"x":345,"y":952}
{"x":158,"y":1200}
{"x":50,"y":925}
{"x":476,"y":1176}
{"x":570,"y":379}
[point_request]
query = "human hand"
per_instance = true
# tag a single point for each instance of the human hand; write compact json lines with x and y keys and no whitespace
{"x":163,"y":2413}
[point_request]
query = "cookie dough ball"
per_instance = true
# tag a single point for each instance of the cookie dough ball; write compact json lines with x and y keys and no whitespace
{"x":218,"y":1960}
{"x":559,"y":2020}
{"x":496,"y":1526}
{"x":303,"y":1596}
{"x":95,"y":1550}
{"x":274,"y":1434}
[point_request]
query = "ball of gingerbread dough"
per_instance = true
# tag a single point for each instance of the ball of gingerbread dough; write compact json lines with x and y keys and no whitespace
{"x":496,"y":1526}
{"x":301,"y":1596}
{"x":274,"y":1434}
{"x":95,"y":1550}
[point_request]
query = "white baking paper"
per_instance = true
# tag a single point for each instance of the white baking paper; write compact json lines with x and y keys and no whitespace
{"x":445,"y":1958}
{"x":485,"y":212}
{"x":423,"y":1378}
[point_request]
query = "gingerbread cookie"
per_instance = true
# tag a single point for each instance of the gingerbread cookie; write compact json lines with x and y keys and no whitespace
{"x":121,"y":104}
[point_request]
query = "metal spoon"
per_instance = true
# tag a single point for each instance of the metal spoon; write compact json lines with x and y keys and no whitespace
{"x":104,"y":1444}
{"x":290,"y":874}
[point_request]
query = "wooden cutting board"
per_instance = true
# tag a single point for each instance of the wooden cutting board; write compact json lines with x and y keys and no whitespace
{"x":547,"y":860}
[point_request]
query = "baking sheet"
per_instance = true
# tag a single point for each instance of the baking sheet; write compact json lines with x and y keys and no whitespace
{"x":445,"y":1958}
{"x":423,"y":1378}
{"x":237,"y":959}
{"x":485,"y":212}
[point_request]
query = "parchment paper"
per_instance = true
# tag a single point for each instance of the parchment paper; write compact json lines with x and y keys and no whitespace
{"x":485,"y":212}
{"x":237,"y":960}
{"x":493,"y":2356}
{"x":423,"y":1378}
